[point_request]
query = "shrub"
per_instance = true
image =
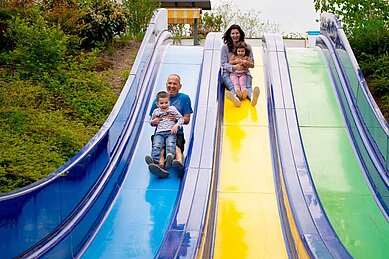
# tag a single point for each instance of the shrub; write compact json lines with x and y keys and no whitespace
{"x":375,"y":70}
{"x":66,"y":15}
{"x":34,"y":138}
{"x":10,"y":9}
{"x":369,"y":40}
{"x":103,"y":21}
{"x":209,"y":22}
{"x":370,"y":37}
{"x":38,"y":48}
{"x":178,"y":32}
{"x":45,"y":143}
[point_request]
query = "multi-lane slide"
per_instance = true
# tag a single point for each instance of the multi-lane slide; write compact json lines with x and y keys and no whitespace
{"x":281,"y":179}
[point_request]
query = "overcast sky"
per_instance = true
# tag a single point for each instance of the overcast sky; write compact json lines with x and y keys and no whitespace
{"x":292,"y":15}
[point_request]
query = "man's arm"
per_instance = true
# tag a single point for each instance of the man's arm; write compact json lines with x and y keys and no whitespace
{"x":186,"y":118}
{"x":171,"y":117}
{"x":187,"y":111}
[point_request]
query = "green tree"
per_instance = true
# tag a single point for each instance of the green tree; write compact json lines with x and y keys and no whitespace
{"x":353,"y":13}
{"x":210,"y":22}
{"x":227,"y":12}
{"x":140,"y":12}
{"x":54,"y":92}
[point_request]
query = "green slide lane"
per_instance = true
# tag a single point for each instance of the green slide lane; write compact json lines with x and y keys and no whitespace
{"x":338,"y":178}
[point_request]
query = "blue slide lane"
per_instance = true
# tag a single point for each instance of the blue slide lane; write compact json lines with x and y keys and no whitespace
{"x":186,"y":229}
{"x":140,"y":216}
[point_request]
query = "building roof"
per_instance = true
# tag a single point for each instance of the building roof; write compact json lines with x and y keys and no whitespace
{"x":203,"y":4}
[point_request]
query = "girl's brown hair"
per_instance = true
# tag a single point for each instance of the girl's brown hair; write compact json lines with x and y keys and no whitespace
{"x":241,"y":45}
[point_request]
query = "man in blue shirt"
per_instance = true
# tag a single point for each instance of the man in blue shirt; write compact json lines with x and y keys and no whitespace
{"x":183,"y":104}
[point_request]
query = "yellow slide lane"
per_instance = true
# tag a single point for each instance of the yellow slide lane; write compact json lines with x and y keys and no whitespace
{"x":247,"y":223}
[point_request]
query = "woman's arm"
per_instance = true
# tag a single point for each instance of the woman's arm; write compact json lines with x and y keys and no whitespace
{"x":224,"y":59}
{"x":251,"y":54}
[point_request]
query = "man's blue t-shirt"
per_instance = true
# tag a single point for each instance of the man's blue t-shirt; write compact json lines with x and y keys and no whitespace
{"x":181,"y":102}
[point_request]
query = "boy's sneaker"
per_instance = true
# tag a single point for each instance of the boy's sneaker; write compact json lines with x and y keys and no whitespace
{"x":245,"y":93}
{"x":233,"y":98}
{"x":158,"y":171}
{"x":238,"y":93}
{"x":149,"y":160}
{"x":255,"y":95}
{"x":169,"y":159}
{"x":178,"y":167}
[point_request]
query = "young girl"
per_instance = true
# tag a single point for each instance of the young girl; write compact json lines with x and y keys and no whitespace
{"x":241,"y":58}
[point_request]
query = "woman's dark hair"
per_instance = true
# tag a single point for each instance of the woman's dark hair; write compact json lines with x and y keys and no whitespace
{"x":227,"y":36}
{"x":242,"y":45}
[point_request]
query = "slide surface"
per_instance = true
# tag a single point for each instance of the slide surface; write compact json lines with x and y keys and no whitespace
{"x":247,"y":223}
{"x":140,"y":216}
{"x":336,"y":172}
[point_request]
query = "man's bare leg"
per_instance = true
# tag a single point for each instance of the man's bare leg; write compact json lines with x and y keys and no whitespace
{"x":162,"y":159}
{"x":178,"y":163}
{"x":179,"y":156}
